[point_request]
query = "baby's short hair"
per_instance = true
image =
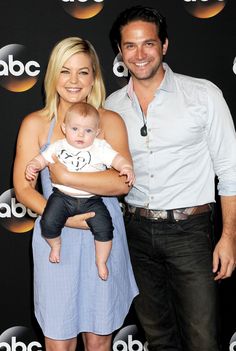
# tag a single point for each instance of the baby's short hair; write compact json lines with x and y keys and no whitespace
{"x":83,"y":109}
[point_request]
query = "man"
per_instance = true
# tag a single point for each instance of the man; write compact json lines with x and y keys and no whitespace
{"x":181,"y":135}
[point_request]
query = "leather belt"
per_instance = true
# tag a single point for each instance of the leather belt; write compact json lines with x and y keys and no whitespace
{"x":160,"y":215}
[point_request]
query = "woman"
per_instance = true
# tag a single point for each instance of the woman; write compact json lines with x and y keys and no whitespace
{"x":69,"y":297}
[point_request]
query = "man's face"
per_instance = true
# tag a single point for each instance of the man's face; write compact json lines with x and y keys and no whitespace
{"x":142,"y":50}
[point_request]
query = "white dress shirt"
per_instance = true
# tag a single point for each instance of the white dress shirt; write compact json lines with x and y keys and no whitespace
{"x":191,"y":138}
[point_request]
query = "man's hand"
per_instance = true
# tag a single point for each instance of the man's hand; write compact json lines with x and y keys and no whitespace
{"x":224,"y":257}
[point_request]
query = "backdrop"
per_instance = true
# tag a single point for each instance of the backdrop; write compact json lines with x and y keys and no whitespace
{"x":202,"y":35}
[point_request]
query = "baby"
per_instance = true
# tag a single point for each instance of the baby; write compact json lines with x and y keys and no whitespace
{"x":79,"y":151}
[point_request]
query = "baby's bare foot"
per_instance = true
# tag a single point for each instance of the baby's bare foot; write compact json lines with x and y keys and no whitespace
{"x":55,"y":245}
{"x":54,"y":256}
{"x":102,"y":270}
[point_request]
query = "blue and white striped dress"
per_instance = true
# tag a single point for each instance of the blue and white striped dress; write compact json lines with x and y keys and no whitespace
{"x":69,"y":297}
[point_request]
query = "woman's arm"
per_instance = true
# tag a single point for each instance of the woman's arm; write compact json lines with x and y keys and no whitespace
{"x":27,"y":148}
{"x":100,"y":183}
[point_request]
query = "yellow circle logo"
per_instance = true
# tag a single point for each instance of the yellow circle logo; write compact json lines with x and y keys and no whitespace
{"x":14,"y":216}
{"x":17,"y":72}
{"x":204,"y":8}
{"x":82,"y":9}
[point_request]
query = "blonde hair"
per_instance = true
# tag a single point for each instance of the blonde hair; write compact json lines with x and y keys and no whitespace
{"x":62,"y":51}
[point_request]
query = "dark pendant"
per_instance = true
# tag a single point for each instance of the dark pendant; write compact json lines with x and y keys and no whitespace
{"x":143,"y":130}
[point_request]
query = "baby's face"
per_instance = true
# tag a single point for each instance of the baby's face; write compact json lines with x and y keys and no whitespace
{"x":81,"y":131}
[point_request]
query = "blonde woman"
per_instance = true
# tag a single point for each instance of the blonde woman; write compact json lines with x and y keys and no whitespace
{"x":69,"y":297}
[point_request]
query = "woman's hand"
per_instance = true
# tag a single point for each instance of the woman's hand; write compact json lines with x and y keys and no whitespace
{"x":79,"y":221}
{"x":58,"y":171}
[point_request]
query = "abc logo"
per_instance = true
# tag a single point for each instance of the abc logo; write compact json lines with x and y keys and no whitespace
{"x":232,"y":343}
{"x":19,"y":339}
{"x":232,"y":346}
{"x":120,"y":70}
{"x":14,"y":216}
{"x":127,"y":340}
{"x":234,"y":66}
{"x":204,"y":8}
{"x":17,"y":72}
{"x":82,"y":9}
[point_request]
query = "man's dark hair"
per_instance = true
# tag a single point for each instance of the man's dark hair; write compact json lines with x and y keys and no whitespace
{"x":138,"y":13}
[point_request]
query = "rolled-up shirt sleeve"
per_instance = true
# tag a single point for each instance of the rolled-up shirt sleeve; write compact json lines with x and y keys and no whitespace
{"x":221,"y":138}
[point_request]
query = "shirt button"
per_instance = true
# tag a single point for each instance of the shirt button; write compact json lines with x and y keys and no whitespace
{"x":152,"y":197}
{"x":152,"y":175}
{"x":151,"y":152}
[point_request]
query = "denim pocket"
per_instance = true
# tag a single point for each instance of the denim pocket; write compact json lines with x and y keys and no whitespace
{"x":199,"y":228}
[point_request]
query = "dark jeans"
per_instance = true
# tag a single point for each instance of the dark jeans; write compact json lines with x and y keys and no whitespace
{"x":172,"y":262}
{"x":61,"y":206}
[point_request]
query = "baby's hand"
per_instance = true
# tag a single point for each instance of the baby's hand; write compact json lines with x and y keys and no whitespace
{"x":128,"y":171}
{"x":31,"y":171}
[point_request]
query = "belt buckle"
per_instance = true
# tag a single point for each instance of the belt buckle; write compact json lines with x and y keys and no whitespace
{"x":154,"y":215}
{"x":158,"y":215}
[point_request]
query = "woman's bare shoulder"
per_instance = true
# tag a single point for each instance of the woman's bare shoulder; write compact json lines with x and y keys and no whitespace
{"x":35,"y":121}
{"x":35,"y":118}
{"x":35,"y":126}
{"x":113,"y":129}
{"x":109,"y":117}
